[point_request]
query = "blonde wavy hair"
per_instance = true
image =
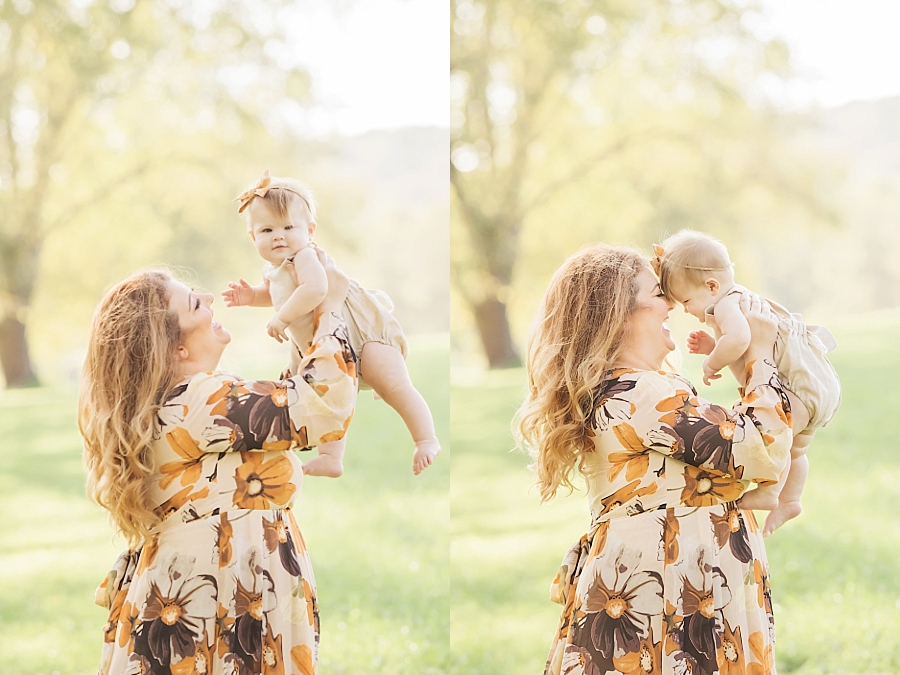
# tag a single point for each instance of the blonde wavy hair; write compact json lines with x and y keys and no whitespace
{"x":129,"y":368}
{"x":577,"y":335}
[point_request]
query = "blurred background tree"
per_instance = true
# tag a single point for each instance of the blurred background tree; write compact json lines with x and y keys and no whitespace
{"x":581,"y":120}
{"x":117,"y":90}
{"x":127,"y":126}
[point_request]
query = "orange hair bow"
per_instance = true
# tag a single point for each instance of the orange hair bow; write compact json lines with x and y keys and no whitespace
{"x":261,"y":189}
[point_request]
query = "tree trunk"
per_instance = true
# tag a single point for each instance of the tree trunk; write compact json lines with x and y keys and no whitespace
{"x":14,"y":358}
{"x":493,"y":328}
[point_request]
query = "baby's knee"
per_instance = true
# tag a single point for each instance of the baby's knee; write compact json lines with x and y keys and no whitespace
{"x":801,"y":444}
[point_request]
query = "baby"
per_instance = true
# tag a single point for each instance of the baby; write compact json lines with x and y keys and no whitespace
{"x":694,"y":269}
{"x":281,"y":220}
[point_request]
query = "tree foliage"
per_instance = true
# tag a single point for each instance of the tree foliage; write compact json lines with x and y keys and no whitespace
{"x":575,"y":120}
{"x":126,"y":102}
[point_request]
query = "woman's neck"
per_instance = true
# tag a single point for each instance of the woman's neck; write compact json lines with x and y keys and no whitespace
{"x":636,"y":360}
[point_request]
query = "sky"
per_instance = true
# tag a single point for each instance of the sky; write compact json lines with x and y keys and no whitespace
{"x":383,"y":64}
{"x":374,"y":64}
{"x":842,"y":51}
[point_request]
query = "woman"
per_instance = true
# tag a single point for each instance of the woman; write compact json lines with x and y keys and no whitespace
{"x":672,"y":576}
{"x":196,"y":470}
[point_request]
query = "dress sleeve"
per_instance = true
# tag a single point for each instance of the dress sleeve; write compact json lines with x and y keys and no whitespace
{"x":216,"y":412}
{"x":750,"y":442}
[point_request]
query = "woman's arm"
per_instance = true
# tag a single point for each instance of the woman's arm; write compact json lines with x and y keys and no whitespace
{"x":749,"y":442}
{"x":217,"y":413}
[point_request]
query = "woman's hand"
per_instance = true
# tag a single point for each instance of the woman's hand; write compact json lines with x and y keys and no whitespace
{"x":338,"y":283}
{"x":763,"y":327}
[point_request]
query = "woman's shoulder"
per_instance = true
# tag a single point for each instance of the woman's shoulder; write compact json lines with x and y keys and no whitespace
{"x":199,"y":383}
{"x":645,"y":382}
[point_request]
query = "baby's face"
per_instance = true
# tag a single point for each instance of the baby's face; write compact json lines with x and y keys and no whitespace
{"x":277,"y":237}
{"x":694,"y":299}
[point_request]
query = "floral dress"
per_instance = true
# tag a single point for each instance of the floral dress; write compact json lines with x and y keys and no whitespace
{"x":225,"y":585}
{"x":672,"y":577}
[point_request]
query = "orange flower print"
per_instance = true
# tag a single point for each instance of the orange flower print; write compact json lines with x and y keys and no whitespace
{"x":224,"y":533}
{"x":731,"y":652}
{"x":200,"y":663}
{"x":179,"y":499}
{"x":224,"y":634}
{"x":763,"y":592}
{"x":128,"y":625}
{"x":680,"y":407}
{"x":625,"y":495}
{"x":191,"y":463}
{"x":647,"y":660}
{"x":148,"y":555}
{"x":671,"y":530}
{"x":763,"y":653}
{"x":672,"y":623}
{"x":272,"y":660}
{"x":302,"y":658}
{"x":224,"y":398}
{"x":635,"y":460}
{"x":702,"y":488}
{"x":312,"y":605}
{"x":109,"y":630}
{"x":262,"y":483}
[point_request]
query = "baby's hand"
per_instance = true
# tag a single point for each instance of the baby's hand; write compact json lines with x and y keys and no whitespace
{"x":709,"y":373}
{"x":277,"y":328}
{"x":700,"y":342}
{"x":238,"y":294}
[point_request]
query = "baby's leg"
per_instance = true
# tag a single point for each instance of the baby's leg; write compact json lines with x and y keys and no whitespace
{"x":789,"y":500}
{"x":383,"y":367}
{"x":329,"y":462}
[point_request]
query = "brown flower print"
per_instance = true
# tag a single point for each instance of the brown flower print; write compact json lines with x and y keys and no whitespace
{"x":730,"y":529}
{"x":619,"y":601}
{"x":175,"y":611}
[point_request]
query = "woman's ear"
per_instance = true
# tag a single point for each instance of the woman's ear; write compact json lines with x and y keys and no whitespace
{"x":181,"y":353}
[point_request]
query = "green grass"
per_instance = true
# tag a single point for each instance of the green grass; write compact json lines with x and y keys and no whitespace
{"x":834,"y":570}
{"x":378,"y":537}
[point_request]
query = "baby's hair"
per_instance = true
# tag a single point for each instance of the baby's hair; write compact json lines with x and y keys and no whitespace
{"x":280,"y":194}
{"x":689,"y":257}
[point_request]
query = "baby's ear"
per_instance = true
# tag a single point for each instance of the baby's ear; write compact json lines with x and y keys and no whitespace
{"x":713,"y":285}
{"x":312,"y":228}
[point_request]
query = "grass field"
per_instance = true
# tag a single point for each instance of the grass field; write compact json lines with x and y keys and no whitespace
{"x":378,"y":537}
{"x":835,"y":570}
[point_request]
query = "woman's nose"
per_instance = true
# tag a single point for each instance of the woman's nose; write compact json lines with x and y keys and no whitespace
{"x":207,"y":298}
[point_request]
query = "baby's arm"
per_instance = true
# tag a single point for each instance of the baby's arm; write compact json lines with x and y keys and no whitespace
{"x":735,"y":338}
{"x":241,"y":293}
{"x":312,"y":285}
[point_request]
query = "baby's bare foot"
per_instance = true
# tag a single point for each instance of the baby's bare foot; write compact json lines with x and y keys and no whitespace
{"x":779,"y":516}
{"x":759,"y":500}
{"x":425,"y":453}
